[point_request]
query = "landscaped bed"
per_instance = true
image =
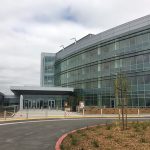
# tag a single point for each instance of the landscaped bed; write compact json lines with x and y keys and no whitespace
{"x":110,"y":137}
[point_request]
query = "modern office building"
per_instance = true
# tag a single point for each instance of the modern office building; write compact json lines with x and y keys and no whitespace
{"x":47,"y":69}
{"x":86,"y":70}
{"x":91,"y":64}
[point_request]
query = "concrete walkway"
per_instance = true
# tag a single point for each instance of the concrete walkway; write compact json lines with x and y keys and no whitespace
{"x":59,"y":113}
{"x":43,"y":113}
{"x":46,"y":114}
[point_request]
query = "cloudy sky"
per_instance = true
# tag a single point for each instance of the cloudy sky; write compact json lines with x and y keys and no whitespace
{"x":29,"y":27}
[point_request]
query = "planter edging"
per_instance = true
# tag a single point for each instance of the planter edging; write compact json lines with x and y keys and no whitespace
{"x":60,"y":140}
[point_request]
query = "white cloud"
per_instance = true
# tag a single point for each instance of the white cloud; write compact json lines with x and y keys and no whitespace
{"x":28,"y":28}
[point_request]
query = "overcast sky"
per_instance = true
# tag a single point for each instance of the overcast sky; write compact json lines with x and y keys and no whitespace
{"x":29,"y":27}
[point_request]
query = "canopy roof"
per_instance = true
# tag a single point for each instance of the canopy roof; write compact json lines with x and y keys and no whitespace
{"x":35,"y":90}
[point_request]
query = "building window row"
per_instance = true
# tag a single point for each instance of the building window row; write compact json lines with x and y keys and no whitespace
{"x":137,"y":43}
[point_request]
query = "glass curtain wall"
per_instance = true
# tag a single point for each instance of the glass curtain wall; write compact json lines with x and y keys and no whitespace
{"x":94,"y":70}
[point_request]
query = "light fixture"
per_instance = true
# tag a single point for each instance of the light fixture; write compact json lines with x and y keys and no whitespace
{"x":74,"y":40}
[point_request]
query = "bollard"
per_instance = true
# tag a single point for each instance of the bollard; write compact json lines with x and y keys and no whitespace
{"x":5,"y":114}
{"x":119,"y":112}
{"x":138,"y":112}
{"x":101,"y":111}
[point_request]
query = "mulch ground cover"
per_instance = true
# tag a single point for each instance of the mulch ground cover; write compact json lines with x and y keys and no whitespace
{"x":110,"y":137}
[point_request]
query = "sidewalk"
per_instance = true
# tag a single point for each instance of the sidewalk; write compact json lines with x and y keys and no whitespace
{"x":59,"y":114}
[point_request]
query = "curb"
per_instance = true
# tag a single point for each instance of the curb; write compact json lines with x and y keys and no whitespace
{"x":60,"y":140}
{"x":68,"y":117}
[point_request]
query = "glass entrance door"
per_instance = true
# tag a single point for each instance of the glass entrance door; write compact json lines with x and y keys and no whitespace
{"x":41,"y":104}
{"x":27,"y":104}
{"x":38,"y":104}
{"x":51,"y":104}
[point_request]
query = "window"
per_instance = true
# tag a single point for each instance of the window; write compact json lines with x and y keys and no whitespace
{"x":124,"y":44}
{"x":106,"y":66}
{"x":93,"y":55}
{"x":139,"y":40}
{"x":139,"y":59}
{"x":116,"y":46}
{"x":147,"y":79}
{"x":145,"y":38}
{"x":99,"y":84}
{"x":146,"y":58}
{"x":140,"y":80}
{"x":94,"y":71}
{"x":132,"y":42}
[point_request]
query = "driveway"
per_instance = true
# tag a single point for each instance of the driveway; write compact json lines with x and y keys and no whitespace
{"x":39,"y":135}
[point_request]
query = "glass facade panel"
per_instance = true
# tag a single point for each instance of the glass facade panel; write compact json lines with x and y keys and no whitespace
{"x":47,"y":69}
{"x":93,"y":70}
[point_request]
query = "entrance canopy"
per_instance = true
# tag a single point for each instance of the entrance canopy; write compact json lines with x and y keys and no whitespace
{"x":35,"y":90}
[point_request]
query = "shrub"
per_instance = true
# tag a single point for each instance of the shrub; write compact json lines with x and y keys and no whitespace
{"x":117,"y":140}
{"x":70,"y":135}
{"x":100,"y":133}
{"x":145,"y":125}
{"x":132,"y":135}
{"x":109,"y":136}
{"x":62,"y":147}
{"x":74,"y":140}
{"x":84,"y":134}
{"x":137,"y":127}
{"x":143,"y":140}
{"x":78,"y":131}
{"x":140,"y":126}
{"x":95,"y":143}
{"x":99,"y":126}
{"x":108,"y":126}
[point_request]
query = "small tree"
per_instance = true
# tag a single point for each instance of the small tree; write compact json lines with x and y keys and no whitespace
{"x":121,"y":89}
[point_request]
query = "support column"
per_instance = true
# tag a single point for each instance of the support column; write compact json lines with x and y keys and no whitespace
{"x":21,"y":102}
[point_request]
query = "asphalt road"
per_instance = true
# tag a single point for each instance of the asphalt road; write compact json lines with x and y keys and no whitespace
{"x":39,"y":135}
